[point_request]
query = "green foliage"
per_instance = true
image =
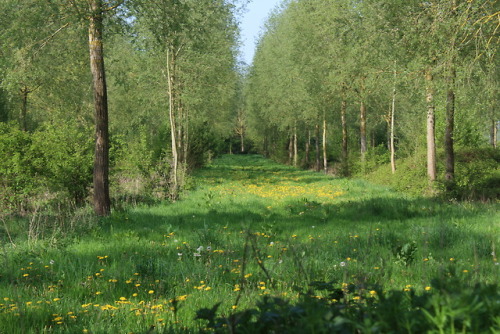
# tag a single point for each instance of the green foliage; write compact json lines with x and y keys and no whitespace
{"x":477,"y":175}
{"x":45,"y":167}
{"x":64,"y":154}
{"x":446,"y":306}
{"x":17,"y":171}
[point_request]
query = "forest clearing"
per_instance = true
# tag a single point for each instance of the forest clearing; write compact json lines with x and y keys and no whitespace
{"x":250,"y":228}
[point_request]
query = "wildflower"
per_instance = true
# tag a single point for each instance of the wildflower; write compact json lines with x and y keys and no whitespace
{"x":196,"y":254}
{"x":151,"y":292}
{"x":51,"y":261}
{"x":428,"y":288}
{"x":373,"y":293}
{"x":234,"y":307}
{"x":343,"y":264}
{"x":199,"y":249}
{"x":452,"y":259}
{"x":209,"y":248}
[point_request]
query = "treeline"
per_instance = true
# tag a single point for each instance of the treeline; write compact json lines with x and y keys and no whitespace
{"x":347,"y":86}
{"x":156,"y":98}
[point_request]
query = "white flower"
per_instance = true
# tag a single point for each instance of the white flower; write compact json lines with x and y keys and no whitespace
{"x":209,"y":248}
{"x":52,"y":261}
{"x":179,"y":254}
{"x":343,"y":264}
{"x":197,"y":254}
{"x":199,"y":249}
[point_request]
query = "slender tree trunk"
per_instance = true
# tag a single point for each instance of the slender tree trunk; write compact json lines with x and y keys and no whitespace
{"x":171,"y":116}
{"x":102,"y":202}
{"x":308,"y":148}
{"x":242,"y":141}
{"x":431,"y":144}
{"x":362,"y":117}
{"x":345,"y":152}
{"x":290,"y":149}
{"x":493,"y":133}
{"x":450,"y":126}
{"x":295,"y":147}
{"x":317,"y":166}
{"x":362,"y":123}
{"x":325,"y":158}
{"x":393,"y":112}
{"x":24,"y":108}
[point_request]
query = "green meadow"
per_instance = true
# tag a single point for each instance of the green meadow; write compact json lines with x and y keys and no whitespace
{"x":248,"y":229}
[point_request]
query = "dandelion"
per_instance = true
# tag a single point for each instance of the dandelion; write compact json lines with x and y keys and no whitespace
{"x":234,"y":307}
{"x":151,"y":292}
{"x":343,"y":264}
{"x":373,"y":293}
{"x":452,"y":259}
{"x":428,"y":288}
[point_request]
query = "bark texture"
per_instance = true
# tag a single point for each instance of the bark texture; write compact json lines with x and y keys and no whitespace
{"x":102,"y":202}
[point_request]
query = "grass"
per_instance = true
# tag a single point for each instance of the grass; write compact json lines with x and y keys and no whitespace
{"x":248,"y":228}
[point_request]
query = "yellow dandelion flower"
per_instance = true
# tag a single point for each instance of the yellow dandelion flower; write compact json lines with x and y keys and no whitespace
{"x":428,"y":288}
{"x":151,"y":292}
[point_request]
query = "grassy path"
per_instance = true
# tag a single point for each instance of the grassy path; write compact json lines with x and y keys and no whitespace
{"x":247,"y":228}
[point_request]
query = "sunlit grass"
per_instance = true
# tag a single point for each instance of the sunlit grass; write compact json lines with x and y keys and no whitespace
{"x":249,"y":228}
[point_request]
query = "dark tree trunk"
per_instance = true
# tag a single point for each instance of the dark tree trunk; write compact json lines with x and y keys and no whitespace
{"x":24,"y":108}
{"x":102,"y":202}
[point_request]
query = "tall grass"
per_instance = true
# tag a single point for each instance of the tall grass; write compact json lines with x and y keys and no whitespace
{"x":248,"y":228}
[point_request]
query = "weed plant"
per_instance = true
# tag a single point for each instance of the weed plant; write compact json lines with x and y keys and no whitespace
{"x":249,"y":249}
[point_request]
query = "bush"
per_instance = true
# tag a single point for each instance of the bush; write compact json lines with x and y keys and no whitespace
{"x":18,"y":178}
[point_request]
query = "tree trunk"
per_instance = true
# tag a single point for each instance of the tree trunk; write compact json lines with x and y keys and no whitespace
{"x":362,"y":122}
{"x":102,"y":202}
{"x":431,"y":144}
{"x":393,"y":111}
{"x":493,"y":133}
{"x":450,"y":126}
{"x":308,"y":148}
{"x":317,"y":167}
{"x":345,"y":152}
{"x":325,"y":158}
{"x":295,"y":148}
{"x":171,"y":116}
{"x":24,"y":108}
{"x":362,"y":128}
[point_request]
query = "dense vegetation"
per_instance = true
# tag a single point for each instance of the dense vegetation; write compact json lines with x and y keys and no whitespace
{"x":401,"y":93}
{"x":280,"y":249}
